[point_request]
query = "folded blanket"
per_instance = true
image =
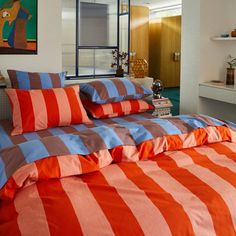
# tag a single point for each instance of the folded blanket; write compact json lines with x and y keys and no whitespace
{"x":91,"y":149}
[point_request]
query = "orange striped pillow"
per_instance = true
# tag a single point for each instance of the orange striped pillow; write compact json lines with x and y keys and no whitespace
{"x":35,"y":110}
{"x":117,"y":108}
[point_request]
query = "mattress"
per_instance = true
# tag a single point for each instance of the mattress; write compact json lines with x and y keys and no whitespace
{"x":147,"y":176}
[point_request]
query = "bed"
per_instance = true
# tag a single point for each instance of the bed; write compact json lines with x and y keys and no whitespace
{"x":131,"y":175}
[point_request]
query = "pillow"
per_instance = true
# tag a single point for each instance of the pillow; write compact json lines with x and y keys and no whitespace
{"x":34,"y":80}
{"x":35,"y":110}
{"x":114,"y":90}
{"x":116,"y":109}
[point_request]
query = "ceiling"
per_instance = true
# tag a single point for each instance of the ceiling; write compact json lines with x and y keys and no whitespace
{"x":156,"y":3}
{"x":149,"y":3}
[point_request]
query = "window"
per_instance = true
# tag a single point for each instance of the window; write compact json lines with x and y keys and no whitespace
{"x":91,"y":30}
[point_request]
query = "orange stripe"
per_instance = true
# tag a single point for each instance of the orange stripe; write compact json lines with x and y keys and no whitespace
{"x":204,"y":161}
{"x":214,"y":202}
{"x":222,"y":149}
{"x":52,"y":107}
{"x":27,"y":111}
{"x":8,"y":219}
{"x":113,"y":206}
{"x":76,"y":114}
{"x":175,"y":215}
{"x":48,"y":168}
{"x":60,"y":213}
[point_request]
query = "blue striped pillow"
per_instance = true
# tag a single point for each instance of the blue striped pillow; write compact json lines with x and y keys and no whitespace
{"x":34,"y":80}
{"x":113,"y":90}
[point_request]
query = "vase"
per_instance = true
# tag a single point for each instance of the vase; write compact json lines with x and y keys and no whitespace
{"x":120,"y":72}
{"x":233,"y":33}
{"x":230,"y":76}
{"x":140,"y":68}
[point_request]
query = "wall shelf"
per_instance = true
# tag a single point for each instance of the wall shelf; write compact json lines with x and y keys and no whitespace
{"x":223,"y":39}
{"x":222,"y":93}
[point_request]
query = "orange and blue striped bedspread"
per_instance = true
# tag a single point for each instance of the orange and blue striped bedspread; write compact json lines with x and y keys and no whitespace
{"x":170,"y":184}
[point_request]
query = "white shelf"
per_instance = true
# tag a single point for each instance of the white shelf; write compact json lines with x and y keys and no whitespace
{"x":223,"y":39}
{"x":223,"y":93}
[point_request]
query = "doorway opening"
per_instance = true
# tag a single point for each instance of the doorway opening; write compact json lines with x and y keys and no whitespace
{"x":157,"y":25}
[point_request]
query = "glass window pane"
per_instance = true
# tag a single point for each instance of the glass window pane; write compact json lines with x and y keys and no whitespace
{"x":103,"y":61}
{"x":98,"y":23}
{"x":86,"y":62}
{"x":69,"y":36}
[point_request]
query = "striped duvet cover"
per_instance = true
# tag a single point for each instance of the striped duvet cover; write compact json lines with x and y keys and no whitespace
{"x":145,"y":177}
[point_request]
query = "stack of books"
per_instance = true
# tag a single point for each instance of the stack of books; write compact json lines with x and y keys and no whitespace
{"x":162,"y":107}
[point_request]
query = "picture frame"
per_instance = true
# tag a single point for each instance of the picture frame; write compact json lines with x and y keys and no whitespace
{"x":19,"y":27}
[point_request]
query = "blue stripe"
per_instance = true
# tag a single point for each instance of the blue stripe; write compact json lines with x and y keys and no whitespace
{"x":3,"y":176}
{"x":31,"y":136}
{"x":23,"y":80}
{"x":45,"y":80}
{"x":56,"y":131}
{"x":167,"y":126}
{"x":194,"y":122}
{"x":110,"y":138}
{"x":138,"y":132}
{"x":111,"y":88}
{"x":74,"y":144}
{"x":130,"y":88}
{"x":80,"y":127}
{"x":99,"y":123}
{"x":214,"y":120}
{"x":5,"y":141}
{"x":88,"y":89}
{"x":62,"y":76}
{"x":33,"y":150}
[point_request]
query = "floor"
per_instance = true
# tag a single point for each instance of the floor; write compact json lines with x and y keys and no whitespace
{"x":174,"y":95}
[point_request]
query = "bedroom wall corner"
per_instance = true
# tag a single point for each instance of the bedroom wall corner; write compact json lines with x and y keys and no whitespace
{"x":203,"y":59}
{"x":49,"y":57}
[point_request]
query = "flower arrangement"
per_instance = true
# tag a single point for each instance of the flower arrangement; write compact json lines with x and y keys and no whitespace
{"x":231,"y":61}
{"x":119,"y":58}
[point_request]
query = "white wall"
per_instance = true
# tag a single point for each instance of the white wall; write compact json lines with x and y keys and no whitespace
{"x":49,"y":58}
{"x":202,"y":58}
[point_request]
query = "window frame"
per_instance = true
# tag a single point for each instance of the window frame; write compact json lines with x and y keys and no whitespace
{"x":116,"y":47}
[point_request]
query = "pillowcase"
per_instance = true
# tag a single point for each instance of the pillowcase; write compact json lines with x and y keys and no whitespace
{"x":114,"y":90}
{"x":116,"y":109}
{"x":33,"y":80}
{"x":35,"y":110}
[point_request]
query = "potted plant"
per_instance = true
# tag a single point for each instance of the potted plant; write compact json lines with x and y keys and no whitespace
{"x":230,"y":70}
{"x":120,"y":59}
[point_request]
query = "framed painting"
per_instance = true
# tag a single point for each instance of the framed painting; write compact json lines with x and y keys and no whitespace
{"x":18,"y":27}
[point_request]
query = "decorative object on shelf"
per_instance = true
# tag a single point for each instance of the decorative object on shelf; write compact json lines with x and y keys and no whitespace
{"x":224,"y":35}
{"x":233,"y":33}
{"x":230,"y":71}
{"x":18,"y":27}
{"x":140,"y":68}
{"x":162,"y":107}
{"x":120,"y":59}
{"x":157,"y":88}
{"x":217,"y":82}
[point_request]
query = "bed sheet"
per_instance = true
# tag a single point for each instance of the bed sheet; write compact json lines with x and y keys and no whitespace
{"x":6,"y":140}
{"x":188,"y":192}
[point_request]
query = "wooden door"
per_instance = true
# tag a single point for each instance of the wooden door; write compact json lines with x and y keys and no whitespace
{"x":170,"y":51}
{"x":139,"y":42}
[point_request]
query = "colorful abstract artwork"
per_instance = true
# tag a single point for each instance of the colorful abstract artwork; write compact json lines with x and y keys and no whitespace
{"x":18,"y":26}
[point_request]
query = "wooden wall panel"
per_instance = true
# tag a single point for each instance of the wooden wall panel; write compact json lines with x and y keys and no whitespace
{"x":170,"y":43}
{"x":139,"y":41}
{"x":165,"y":39}
{"x":154,"y":49}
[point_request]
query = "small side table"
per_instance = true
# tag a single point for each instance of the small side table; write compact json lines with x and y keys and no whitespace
{"x":162,"y":107}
